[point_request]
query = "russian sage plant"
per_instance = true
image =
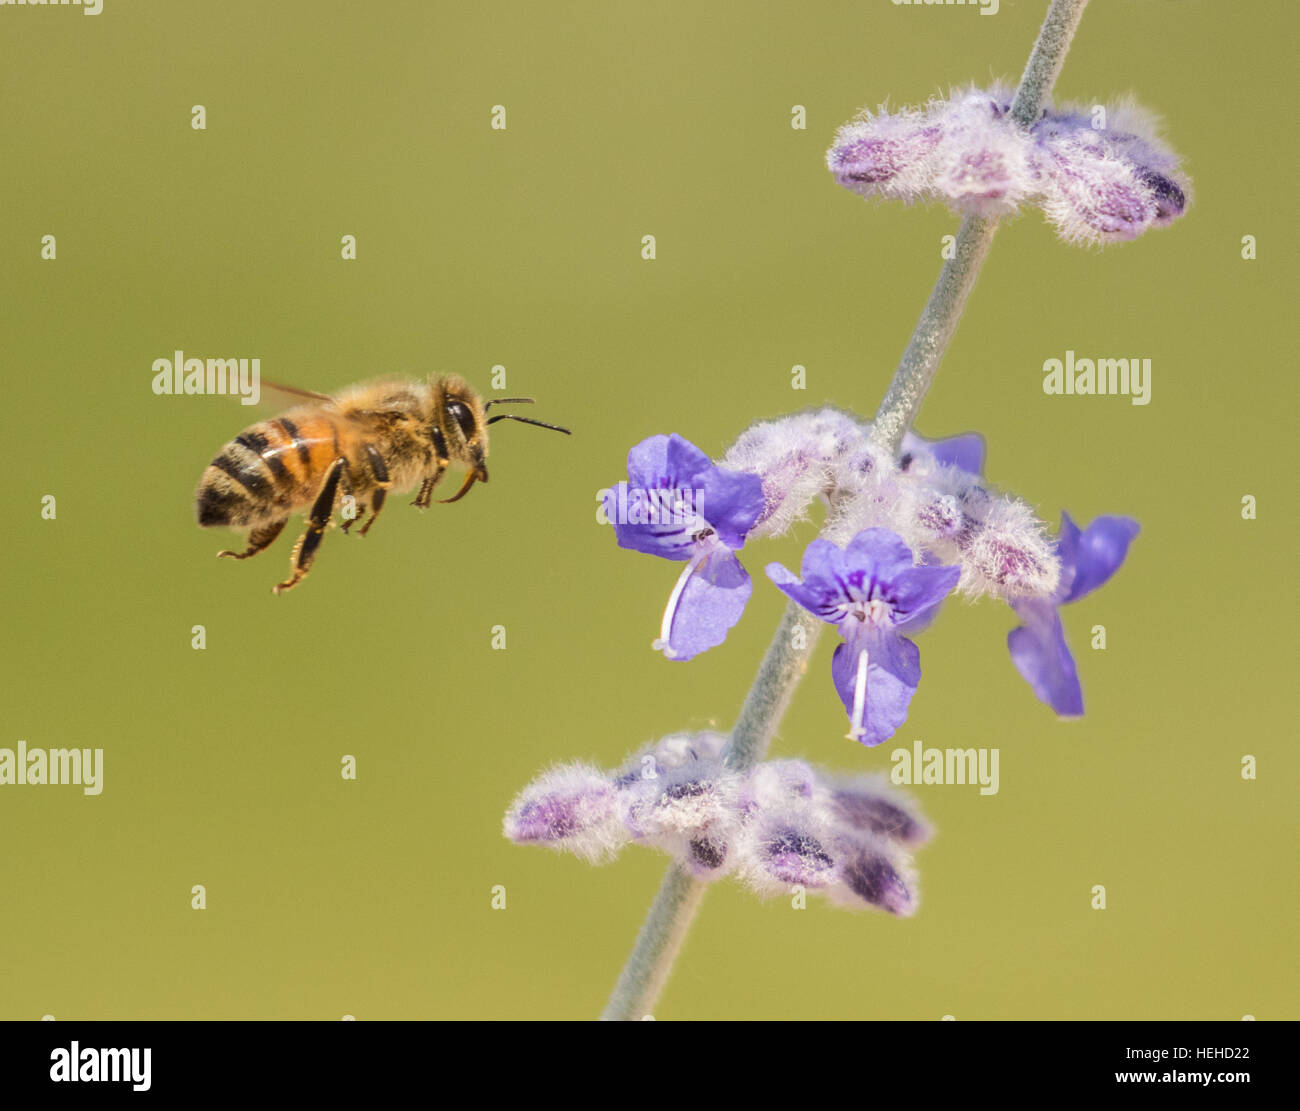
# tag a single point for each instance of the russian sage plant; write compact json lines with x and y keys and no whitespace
{"x":909,"y":522}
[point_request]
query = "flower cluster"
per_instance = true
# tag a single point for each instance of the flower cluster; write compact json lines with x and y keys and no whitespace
{"x":918,"y":527}
{"x":782,"y":824}
{"x":1099,"y":175}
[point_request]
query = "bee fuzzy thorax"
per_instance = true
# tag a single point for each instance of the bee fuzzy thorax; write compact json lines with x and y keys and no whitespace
{"x":391,"y":435}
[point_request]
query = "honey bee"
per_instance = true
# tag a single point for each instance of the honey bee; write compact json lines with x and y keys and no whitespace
{"x":372,"y":439}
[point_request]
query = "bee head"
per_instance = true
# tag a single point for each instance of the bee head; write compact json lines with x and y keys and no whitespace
{"x":461,"y":426}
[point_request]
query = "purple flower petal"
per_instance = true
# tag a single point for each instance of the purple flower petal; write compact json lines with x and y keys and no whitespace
{"x":822,"y":590}
{"x":1041,"y":655}
{"x":652,"y":521}
{"x":918,"y":591}
{"x":893,"y":673}
{"x":878,"y":551}
{"x":676,"y":500}
{"x":731,"y":502}
{"x":1089,"y":558}
{"x":965,"y":452}
{"x":706,"y":605}
{"x":666,"y":462}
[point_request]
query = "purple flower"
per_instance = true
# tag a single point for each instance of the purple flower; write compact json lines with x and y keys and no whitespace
{"x":677,"y":505}
{"x":1038,"y":647}
{"x":874,"y":593}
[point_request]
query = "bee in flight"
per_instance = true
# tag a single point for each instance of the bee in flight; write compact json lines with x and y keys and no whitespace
{"x":372,"y":439}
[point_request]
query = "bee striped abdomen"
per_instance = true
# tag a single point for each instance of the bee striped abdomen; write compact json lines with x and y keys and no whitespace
{"x":267,"y":471}
{"x":255,"y":442}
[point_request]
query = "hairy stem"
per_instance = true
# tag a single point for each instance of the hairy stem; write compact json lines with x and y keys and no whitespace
{"x":1046,"y":59}
{"x":773,"y":687}
{"x":938,"y":321}
{"x":656,"y":946}
{"x":786,"y":660}
{"x":933,"y":333}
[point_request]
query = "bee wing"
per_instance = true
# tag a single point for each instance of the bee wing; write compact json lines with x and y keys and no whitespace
{"x":295,"y":392}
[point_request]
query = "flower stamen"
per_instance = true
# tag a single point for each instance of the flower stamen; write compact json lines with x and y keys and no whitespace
{"x":859,"y":719}
{"x":670,"y":610}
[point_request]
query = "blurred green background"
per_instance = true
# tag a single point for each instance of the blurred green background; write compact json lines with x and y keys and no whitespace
{"x":522,"y":247}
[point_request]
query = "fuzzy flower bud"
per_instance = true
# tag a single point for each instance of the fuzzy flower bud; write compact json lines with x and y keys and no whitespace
{"x":798,"y":459}
{"x":1000,"y":544}
{"x":1099,"y":174}
{"x":781,"y":824}
{"x":574,"y":808}
{"x":677,"y":797}
{"x":870,"y":805}
{"x":874,"y":875}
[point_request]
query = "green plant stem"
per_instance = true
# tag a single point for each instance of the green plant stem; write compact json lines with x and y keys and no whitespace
{"x":933,"y":333}
{"x":670,"y":915}
{"x":773,"y":687}
{"x":655,"y":949}
{"x":1046,"y":60}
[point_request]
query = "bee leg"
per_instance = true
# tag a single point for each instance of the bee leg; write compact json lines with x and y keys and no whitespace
{"x":379,"y":471}
{"x":258,"y":540}
{"x":361,"y":510}
{"x":321,"y":511}
{"x":376,"y":504}
{"x":361,"y":516}
{"x":425,"y":497}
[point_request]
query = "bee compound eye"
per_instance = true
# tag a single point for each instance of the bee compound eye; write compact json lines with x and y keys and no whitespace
{"x":461,"y":414}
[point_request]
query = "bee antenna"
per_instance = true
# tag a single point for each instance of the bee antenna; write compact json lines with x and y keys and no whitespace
{"x":507,"y":401}
{"x":527,"y":420}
